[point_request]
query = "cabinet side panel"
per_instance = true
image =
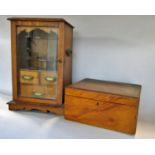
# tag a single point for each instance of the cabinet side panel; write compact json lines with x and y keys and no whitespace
{"x":68,"y":58}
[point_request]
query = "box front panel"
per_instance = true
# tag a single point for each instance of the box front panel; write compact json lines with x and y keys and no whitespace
{"x":102,"y":114}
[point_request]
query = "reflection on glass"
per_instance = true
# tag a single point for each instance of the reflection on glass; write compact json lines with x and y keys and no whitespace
{"x":36,"y":61}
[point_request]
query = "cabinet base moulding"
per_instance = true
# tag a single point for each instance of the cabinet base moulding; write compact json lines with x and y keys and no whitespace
{"x":59,"y":110}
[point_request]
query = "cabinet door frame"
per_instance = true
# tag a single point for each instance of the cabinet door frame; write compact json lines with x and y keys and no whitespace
{"x":60,"y":56}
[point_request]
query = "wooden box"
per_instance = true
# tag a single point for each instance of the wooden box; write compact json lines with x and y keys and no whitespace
{"x":104,"y":104}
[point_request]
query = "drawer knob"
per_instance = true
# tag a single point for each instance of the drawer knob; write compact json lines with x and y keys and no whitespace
{"x":59,"y":61}
{"x":37,"y":94}
{"x":69,"y":52}
{"x":27,"y":77}
{"x":50,"y":79}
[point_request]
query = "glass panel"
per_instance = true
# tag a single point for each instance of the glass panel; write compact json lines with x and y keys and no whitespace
{"x":37,"y":62}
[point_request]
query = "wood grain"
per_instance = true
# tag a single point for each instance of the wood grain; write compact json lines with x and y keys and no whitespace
{"x":15,"y":74}
{"x":102,"y":114}
{"x":116,"y":88}
{"x":33,"y":74}
{"x":48,"y":92}
{"x":68,"y":39}
{"x":101,"y":96}
{"x":59,"y":110}
{"x":115,"y":112}
{"x":41,"y":20}
{"x":60,"y":25}
{"x":44,"y":74}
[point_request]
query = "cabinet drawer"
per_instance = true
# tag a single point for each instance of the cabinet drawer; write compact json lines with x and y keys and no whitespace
{"x":48,"y":78}
{"x":29,"y":77}
{"x":38,"y":91}
{"x":102,"y":114}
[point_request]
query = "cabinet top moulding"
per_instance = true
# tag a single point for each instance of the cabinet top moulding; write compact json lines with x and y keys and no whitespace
{"x":41,"y":20}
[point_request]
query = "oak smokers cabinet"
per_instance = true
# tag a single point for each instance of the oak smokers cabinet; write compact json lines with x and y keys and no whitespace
{"x":41,"y":63}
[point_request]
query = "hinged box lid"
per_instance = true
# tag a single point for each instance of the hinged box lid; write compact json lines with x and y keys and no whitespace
{"x":108,"y":91}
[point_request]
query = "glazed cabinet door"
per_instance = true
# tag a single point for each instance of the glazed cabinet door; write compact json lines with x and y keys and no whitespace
{"x":38,"y":63}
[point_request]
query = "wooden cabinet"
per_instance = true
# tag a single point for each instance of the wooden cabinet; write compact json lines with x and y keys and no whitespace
{"x":104,"y":104}
{"x":41,"y":62}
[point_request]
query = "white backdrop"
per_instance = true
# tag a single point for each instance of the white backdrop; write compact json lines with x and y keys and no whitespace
{"x":116,"y":48}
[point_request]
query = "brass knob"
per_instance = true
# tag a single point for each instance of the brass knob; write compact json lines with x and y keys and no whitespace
{"x":27,"y":77}
{"x":37,"y":94}
{"x":50,"y":79}
{"x":59,"y":61}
